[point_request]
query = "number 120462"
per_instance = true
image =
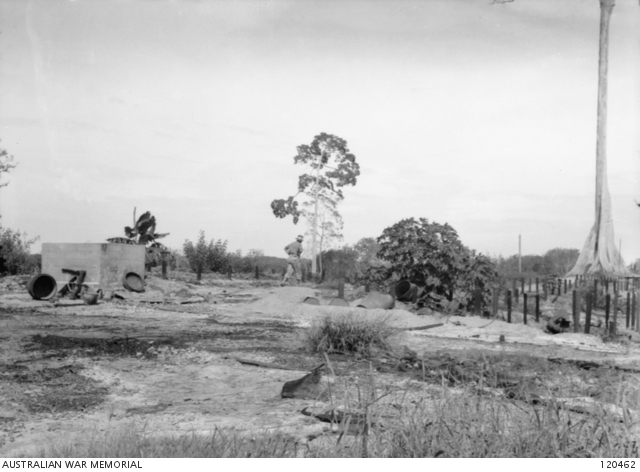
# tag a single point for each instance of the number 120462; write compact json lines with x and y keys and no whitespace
{"x":618,"y":464}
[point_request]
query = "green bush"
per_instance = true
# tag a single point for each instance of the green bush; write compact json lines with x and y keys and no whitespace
{"x":15,"y":256}
{"x":351,"y":333}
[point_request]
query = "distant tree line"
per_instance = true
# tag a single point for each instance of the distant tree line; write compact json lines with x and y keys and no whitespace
{"x":213,"y":256}
{"x":555,"y":262}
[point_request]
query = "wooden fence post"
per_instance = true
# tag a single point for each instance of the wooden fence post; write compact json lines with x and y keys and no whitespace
{"x":565,"y":286}
{"x":587,"y":322}
{"x":607,"y":305}
{"x":595,"y":292}
{"x":494,"y":305}
{"x":637,"y":311}
{"x":508,"y":306}
{"x":615,"y":310}
{"x":537,"y":285}
{"x":537,"y":308}
{"x":634,"y":302}
{"x":477,"y":302}
{"x":524,"y":307}
{"x":628,"y":320}
{"x":576,"y":312}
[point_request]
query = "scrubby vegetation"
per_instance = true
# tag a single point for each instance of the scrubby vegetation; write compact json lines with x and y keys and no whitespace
{"x":15,"y":254}
{"x":351,"y":333}
{"x":212,"y":255}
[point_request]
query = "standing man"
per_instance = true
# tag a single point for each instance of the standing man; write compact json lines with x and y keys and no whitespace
{"x":294,"y":250}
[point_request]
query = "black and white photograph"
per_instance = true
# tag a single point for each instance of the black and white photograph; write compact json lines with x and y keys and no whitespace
{"x":316,"y":229}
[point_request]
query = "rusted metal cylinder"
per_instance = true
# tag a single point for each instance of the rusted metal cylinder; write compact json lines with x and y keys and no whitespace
{"x":311,"y":301}
{"x":338,"y":301}
{"x":405,"y":291}
{"x":42,"y":287}
{"x":377,"y":300}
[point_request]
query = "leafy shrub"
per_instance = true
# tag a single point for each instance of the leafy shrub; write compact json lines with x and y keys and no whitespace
{"x":351,"y":333}
{"x":201,"y":255}
{"x":351,"y":262}
{"x":15,"y":257}
{"x":428,"y":254}
{"x":367,"y":255}
{"x":248,"y":262}
{"x":431,"y":256}
{"x":339,"y":263}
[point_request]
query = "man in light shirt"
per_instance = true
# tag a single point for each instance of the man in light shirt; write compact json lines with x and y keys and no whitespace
{"x":294,"y":250}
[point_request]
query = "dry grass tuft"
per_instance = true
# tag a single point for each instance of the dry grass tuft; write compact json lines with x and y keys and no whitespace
{"x":351,"y":334}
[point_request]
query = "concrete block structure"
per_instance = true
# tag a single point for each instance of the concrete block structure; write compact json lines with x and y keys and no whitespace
{"x":105,"y":263}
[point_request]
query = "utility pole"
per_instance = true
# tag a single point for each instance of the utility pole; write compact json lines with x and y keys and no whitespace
{"x":520,"y":254}
{"x":620,"y":251}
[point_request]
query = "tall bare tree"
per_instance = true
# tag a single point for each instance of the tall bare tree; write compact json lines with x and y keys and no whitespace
{"x":599,"y":254}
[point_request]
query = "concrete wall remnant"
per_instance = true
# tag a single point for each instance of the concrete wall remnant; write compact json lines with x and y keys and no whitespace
{"x":105,"y":263}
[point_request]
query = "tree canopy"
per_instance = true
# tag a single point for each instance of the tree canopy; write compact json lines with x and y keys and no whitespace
{"x":332,"y":166}
{"x":6,"y":164}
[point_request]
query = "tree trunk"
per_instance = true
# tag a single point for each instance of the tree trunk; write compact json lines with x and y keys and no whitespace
{"x":315,"y":225}
{"x":320,"y":267}
{"x":599,"y":254}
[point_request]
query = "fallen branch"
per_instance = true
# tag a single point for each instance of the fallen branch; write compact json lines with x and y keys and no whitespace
{"x":590,"y":364}
{"x":437,"y":325}
{"x":269,"y":365}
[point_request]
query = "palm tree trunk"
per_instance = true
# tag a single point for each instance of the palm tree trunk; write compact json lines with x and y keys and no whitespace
{"x":599,"y":255}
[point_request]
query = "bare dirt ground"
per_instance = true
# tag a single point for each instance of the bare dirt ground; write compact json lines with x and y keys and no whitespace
{"x":71,"y":371}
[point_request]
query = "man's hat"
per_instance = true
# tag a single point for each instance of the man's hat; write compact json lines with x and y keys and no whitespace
{"x":299,"y":237}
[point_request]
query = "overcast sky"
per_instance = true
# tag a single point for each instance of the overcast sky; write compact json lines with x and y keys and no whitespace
{"x":476,"y":114}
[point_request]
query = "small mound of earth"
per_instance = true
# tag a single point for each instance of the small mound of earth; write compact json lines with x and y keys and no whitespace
{"x":283,"y":296}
